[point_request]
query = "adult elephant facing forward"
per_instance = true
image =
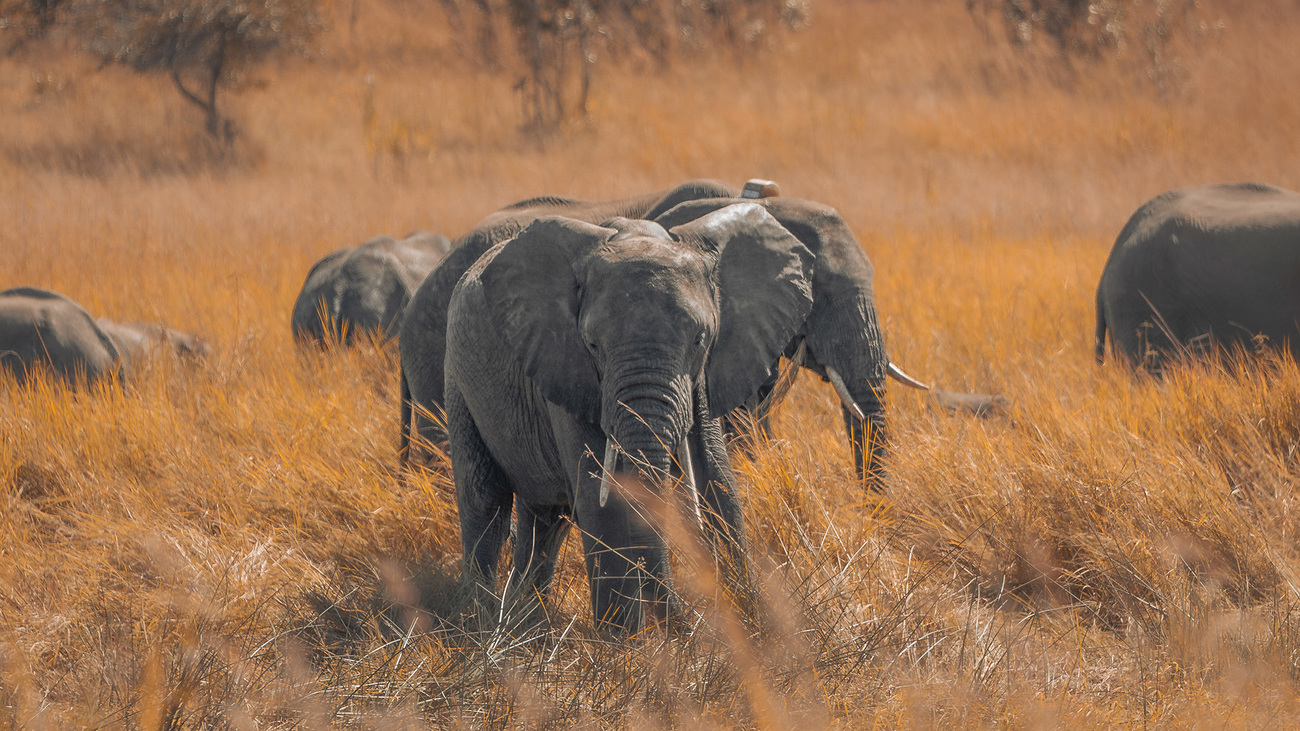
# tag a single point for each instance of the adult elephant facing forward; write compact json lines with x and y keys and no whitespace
{"x":571,"y":341}
{"x":424,"y":326}
{"x":1212,"y":264}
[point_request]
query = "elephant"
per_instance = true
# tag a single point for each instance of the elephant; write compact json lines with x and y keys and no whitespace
{"x":423,"y":332}
{"x":137,"y":341}
{"x":364,"y":288}
{"x":840,"y":340}
{"x":39,"y":328}
{"x":573,"y":340}
{"x":1215,"y":264}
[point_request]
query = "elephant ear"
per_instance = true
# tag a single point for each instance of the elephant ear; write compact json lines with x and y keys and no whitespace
{"x":533,"y":297}
{"x":765,"y":293}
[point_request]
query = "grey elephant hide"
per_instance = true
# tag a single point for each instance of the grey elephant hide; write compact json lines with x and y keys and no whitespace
{"x":424,"y":326}
{"x":362,"y":291}
{"x":577,"y":353}
{"x":1197,"y":268}
{"x":43,"y":329}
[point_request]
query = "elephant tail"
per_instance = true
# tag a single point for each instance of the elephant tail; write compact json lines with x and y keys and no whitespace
{"x":1099,"y":339}
{"x":404,"y":440}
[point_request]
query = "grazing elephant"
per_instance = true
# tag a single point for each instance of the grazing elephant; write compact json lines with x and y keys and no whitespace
{"x":137,"y":341}
{"x":840,"y":340}
{"x":424,"y":327}
{"x":573,"y":341}
{"x":39,"y":328}
{"x":364,"y":288}
{"x":1217,"y":263}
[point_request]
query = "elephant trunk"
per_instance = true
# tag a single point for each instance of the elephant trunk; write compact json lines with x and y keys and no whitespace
{"x":864,"y":417}
{"x":610,"y":468}
{"x":647,"y":410}
{"x":646,"y":417}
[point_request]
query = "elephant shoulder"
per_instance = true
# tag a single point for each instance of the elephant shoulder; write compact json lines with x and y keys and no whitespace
{"x":467,"y":250}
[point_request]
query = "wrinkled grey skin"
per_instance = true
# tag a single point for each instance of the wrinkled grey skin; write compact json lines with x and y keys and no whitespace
{"x":424,"y":326}
{"x":39,"y":328}
{"x":363,"y":290}
{"x":841,"y":330}
{"x":1212,"y":264}
{"x":570,"y":338}
{"x":138,"y":341}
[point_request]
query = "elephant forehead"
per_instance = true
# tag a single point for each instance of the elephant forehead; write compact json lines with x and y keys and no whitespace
{"x":645,"y":255}
{"x":671,"y":278}
{"x":636,"y":288}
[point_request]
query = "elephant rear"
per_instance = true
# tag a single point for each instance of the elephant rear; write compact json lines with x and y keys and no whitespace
{"x":42,"y":329}
{"x":1217,"y":264}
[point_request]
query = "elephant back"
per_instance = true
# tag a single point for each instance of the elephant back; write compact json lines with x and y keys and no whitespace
{"x":1216,"y":262}
{"x":45,"y":329}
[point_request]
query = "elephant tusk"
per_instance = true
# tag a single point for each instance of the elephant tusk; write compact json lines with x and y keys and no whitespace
{"x":688,"y":476}
{"x":843,"y":392}
{"x":607,"y":470}
{"x":898,"y":375}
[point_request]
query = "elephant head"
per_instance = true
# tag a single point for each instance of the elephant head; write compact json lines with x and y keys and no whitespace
{"x":137,"y":341}
{"x":360,"y":292}
{"x":841,"y":339}
{"x":643,"y":338}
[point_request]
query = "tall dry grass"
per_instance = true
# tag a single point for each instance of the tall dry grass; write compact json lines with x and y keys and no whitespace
{"x":232,"y":545}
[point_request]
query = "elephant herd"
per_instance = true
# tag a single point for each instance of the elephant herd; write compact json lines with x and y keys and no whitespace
{"x":589,"y":356}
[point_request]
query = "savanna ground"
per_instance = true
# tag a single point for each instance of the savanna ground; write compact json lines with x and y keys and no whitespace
{"x":232,"y":545}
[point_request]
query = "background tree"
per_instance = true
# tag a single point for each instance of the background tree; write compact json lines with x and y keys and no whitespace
{"x":31,"y":18}
{"x":1141,"y":31}
{"x":201,"y":45}
{"x":557,"y":42}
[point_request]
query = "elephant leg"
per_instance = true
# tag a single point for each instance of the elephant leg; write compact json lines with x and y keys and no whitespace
{"x":627,"y":568}
{"x":627,"y":560}
{"x":540,"y":532}
{"x":723,"y":519}
{"x":751,"y":423}
{"x":483,"y":495}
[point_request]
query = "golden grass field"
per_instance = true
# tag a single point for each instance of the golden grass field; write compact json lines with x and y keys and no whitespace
{"x":233,"y":545}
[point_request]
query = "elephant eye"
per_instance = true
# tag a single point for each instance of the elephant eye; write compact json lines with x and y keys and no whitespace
{"x":699,"y":339}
